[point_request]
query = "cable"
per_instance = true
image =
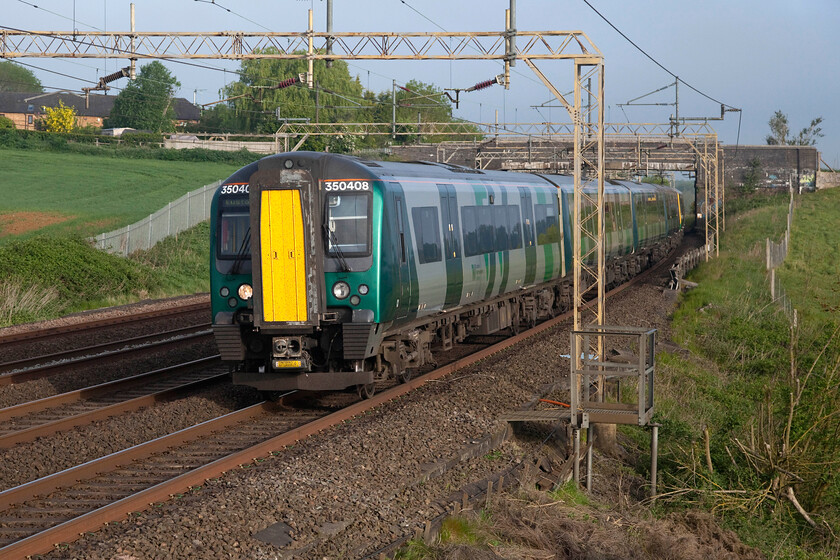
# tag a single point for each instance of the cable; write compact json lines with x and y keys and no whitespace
{"x":641,"y":50}
{"x":59,"y":15}
{"x":213,"y":2}
{"x":423,"y":16}
{"x":50,"y":71}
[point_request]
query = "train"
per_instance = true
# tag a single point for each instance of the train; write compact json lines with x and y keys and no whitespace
{"x":331,"y":272}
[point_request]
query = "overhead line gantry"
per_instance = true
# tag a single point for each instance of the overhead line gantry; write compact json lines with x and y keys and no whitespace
{"x":506,"y":46}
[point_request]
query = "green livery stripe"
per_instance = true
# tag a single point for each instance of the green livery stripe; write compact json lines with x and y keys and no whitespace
{"x":505,"y":271}
{"x":490,"y":265}
{"x":530,"y":265}
{"x":549,"y":261}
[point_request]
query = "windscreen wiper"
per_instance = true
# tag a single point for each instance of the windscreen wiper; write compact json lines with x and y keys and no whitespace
{"x":240,"y":254}
{"x":338,"y":252}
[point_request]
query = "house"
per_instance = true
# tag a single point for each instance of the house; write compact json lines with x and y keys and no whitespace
{"x":25,"y":109}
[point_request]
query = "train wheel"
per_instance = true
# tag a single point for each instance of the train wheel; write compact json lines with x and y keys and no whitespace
{"x":405,"y":375}
{"x":366,"y":391}
{"x":272,"y":396}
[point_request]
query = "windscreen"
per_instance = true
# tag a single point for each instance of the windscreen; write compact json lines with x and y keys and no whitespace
{"x":348,"y":220}
{"x":234,"y":236}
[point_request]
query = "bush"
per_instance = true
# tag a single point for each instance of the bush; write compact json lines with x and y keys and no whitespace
{"x":6,"y":123}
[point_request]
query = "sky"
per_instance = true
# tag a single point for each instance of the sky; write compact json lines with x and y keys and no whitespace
{"x":757,"y":55}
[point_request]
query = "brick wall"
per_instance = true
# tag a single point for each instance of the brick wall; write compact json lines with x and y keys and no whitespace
{"x":21,"y":120}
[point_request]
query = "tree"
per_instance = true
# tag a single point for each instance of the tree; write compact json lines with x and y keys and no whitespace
{"x":59,"y":119}
{"x":779,"y":130}
{"x":255,"y":103}
{"x":6,"y":123}
{"x":258,"y":103}
{"x":147,"y":102}
{"x":18,"y":78}
{"x":752,"y":176}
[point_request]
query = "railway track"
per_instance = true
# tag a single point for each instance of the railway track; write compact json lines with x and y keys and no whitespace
{"x":57,"y":508}
{"x":28,"y":421}
{"x":7,"y":340}
{"x":51,"y":364}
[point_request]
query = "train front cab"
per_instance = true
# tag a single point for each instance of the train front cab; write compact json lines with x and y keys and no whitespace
{"x":295,"y":318}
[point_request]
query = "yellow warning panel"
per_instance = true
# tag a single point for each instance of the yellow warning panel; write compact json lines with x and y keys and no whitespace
{"x":283,"y":259}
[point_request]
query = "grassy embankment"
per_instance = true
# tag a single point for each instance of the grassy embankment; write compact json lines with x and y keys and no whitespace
{"x":766,"y":390}
{"x":51,"y":270}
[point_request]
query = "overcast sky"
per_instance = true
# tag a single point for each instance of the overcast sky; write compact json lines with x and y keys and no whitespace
{"x":757,"y":55}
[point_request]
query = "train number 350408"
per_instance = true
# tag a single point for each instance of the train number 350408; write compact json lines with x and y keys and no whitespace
{"x":346,"y":186}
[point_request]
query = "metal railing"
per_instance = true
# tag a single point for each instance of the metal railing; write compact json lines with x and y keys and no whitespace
{"x":177,"y":216}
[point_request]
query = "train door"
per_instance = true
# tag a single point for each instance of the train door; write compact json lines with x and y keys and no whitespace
{"x":286,"y":264}
{"x":403,"y":270}
{"x":529,"y":239}
{"x":451,"y":245}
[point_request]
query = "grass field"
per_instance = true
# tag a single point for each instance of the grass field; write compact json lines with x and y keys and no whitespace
{"x":766,"y":390}
{"x":50,"y":202}
{"x":85,"y":195}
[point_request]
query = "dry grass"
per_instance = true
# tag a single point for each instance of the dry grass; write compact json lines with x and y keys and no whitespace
{"x":20,"y":303}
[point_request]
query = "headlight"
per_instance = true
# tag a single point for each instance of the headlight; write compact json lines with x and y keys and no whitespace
{"x":363,"y":289}
{"x":354,"y":300}
{"x":341,"y":290}
{"x":245,"y":292}
{"x":224,"y":292}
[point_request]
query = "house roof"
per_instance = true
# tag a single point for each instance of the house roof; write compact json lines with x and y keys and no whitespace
{"x":98,"y":106}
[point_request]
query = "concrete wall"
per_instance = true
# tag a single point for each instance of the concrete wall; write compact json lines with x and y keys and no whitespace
{"x":223,"y":145}
{"x":780,"y":166}
{"x":828,"y":179}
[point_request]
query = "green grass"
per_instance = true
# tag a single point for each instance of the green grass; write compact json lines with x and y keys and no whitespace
{"x":95,"y":193}
{"x":60,"y":274}
{"x":736,"y":380}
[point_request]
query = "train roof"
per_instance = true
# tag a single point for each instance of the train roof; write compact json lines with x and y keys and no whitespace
{"x":434,"y":170}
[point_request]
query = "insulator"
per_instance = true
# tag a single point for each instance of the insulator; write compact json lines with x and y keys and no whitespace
{"x":484,"y":84}
{"x":287,"y":82}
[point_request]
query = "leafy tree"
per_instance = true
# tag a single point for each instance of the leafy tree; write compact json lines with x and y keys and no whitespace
{"x":779,"y":130}
{"x":59,"y":119}
{"x":752,"y":176}
{"x":147,"y":102}
{"x":255,"y":103}
{"x":18,"y":78}
{"x":259,"y":101}
{"x":6,"y":123}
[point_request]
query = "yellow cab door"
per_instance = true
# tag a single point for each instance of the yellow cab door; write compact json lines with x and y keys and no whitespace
{"x":283,"y":259}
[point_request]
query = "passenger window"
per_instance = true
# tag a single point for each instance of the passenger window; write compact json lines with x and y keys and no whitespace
{"x":500,"y":221}
{"x":514,"y":227}
{"x":485,"y":229}
{"x":469,"y":222}
{"x":548,"y":229}
{"x":427,"y":233}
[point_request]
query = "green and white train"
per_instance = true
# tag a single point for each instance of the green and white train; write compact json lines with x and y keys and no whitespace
{"x":329,"y":271}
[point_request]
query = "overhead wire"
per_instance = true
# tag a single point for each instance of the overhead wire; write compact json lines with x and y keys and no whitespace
{"x":59,"y":15}
{"x":213,"y":2}
{"x":446,"y":31}
{"x":641,"y":50}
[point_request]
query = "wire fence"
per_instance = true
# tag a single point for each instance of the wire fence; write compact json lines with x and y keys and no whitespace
{"x":177,"y":216}
{"x":776,"y":255}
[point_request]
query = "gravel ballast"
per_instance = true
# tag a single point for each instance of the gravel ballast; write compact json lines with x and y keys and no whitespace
{"x":354,"y":489}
